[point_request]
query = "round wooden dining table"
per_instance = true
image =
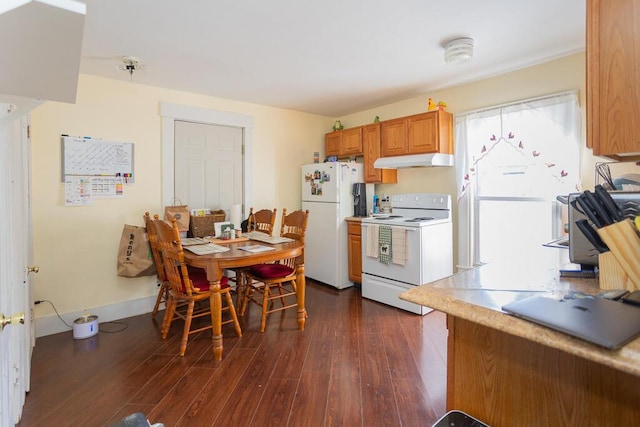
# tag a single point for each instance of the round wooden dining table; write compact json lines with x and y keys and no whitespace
{"x":213,"y":264}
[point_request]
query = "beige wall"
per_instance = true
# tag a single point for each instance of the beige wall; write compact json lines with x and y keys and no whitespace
{"x":75,"y":247}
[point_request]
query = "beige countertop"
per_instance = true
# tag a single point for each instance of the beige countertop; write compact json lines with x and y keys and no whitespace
{"x":354,"y":218}
{"x":477,"y":295}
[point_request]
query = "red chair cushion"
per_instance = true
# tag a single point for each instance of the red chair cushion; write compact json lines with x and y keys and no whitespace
{"x":199,"y":280}
{"x":270,"y":271}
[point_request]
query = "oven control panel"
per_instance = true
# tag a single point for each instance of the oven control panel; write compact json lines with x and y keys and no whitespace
{"x":421,"y":201}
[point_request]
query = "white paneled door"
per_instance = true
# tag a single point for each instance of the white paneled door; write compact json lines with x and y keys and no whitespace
{"x":208,"y":165}
{"x":15,"y":259}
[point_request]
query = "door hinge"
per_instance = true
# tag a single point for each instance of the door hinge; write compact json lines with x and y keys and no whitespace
{"x":28,"y":131}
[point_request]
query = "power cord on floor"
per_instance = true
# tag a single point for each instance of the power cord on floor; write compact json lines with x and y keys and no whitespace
{"x":54,"y":309}
{"x":123,"y":325}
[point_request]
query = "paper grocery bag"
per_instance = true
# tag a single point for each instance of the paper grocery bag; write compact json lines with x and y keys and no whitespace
{"x":180,"y":212}
{"x":135,"y":258}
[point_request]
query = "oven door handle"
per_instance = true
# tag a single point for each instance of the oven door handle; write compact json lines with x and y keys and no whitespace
{"x":395,"y":226}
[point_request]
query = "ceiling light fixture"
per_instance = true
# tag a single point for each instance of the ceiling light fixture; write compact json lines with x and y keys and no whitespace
{"x":458,"y":51}
{"x":131,"y":64}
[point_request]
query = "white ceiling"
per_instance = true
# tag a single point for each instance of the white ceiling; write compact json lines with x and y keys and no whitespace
{"x":329,"y":57}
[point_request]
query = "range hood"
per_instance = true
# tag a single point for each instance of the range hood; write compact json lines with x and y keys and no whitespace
{"x":414,"y":161}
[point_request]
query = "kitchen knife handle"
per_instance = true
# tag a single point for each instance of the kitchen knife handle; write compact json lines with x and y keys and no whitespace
{"x":591,"y":235}
{"x":608,"y":202}
{"x":598,"y":207}
{"x":588,"y":211}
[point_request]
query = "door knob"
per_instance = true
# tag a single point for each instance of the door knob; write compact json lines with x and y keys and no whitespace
{"x":33,"y":269}
{"x":13,"y":320}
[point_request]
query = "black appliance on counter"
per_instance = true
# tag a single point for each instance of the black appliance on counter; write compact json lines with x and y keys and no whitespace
{"x":359,"y":199}
{"x":581,"y":251}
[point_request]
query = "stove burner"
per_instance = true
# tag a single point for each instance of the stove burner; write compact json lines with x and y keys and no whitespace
{"x":424,"y":218}
{"x":384,"y":218}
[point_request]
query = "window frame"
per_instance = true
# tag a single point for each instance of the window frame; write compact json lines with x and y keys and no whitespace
{"x":468,"y":201}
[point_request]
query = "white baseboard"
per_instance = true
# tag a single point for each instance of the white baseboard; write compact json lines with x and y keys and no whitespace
{"x":50,"y":325}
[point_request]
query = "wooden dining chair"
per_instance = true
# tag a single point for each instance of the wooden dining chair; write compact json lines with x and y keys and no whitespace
{"x":262,"y":220}
{"x":163,"y":292}
{"x":188,"y":287}
{"x":273,"y":286}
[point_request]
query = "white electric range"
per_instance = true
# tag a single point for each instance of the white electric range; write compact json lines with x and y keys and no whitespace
{"x":423,"y":227}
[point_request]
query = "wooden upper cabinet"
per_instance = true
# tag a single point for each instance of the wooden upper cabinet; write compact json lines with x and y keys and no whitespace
{"x":371,"y":146}
{"x":393,"y":134}
{"x":332,"y":143}
{"x":613,"y":80}
{"x":352,"y":142}
{"x":344,"y":143}
{"x":430,"y":132}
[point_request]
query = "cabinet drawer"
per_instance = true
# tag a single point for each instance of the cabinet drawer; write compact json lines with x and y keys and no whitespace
{"x":353,"y":227}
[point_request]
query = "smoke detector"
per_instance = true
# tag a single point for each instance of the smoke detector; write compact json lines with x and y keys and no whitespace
{"x":458,"y":51}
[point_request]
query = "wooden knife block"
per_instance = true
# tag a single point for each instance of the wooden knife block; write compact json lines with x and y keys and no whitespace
{"x":620,"y":267}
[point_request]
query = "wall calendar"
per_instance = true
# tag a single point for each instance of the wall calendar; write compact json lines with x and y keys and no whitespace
{"x":95,"y":169}
{"x":97,"y":157}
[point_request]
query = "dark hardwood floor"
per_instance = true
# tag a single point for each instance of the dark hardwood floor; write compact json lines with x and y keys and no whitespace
{"x":357,"y":363}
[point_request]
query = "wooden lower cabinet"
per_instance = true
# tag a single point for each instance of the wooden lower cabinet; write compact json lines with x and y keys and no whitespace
{"x":504,"y":380}
{"x":354,"y":243}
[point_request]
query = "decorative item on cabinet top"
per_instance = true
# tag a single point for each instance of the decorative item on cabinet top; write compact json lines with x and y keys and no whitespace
{"x":338,"y":125}
{"x":432,"y":106}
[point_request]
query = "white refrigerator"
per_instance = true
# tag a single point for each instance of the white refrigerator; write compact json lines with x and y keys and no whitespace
{"x":327,"y":193}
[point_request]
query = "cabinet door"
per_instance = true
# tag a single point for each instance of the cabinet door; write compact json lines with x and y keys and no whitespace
{"x":332,"y":143}
{"x":371,"y":146}
{"x":352,"y":142}
{"x":393,"y":134}
{"x":613,"y":89}
{"x":355,"y":252}
{"x":422,"y":133}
